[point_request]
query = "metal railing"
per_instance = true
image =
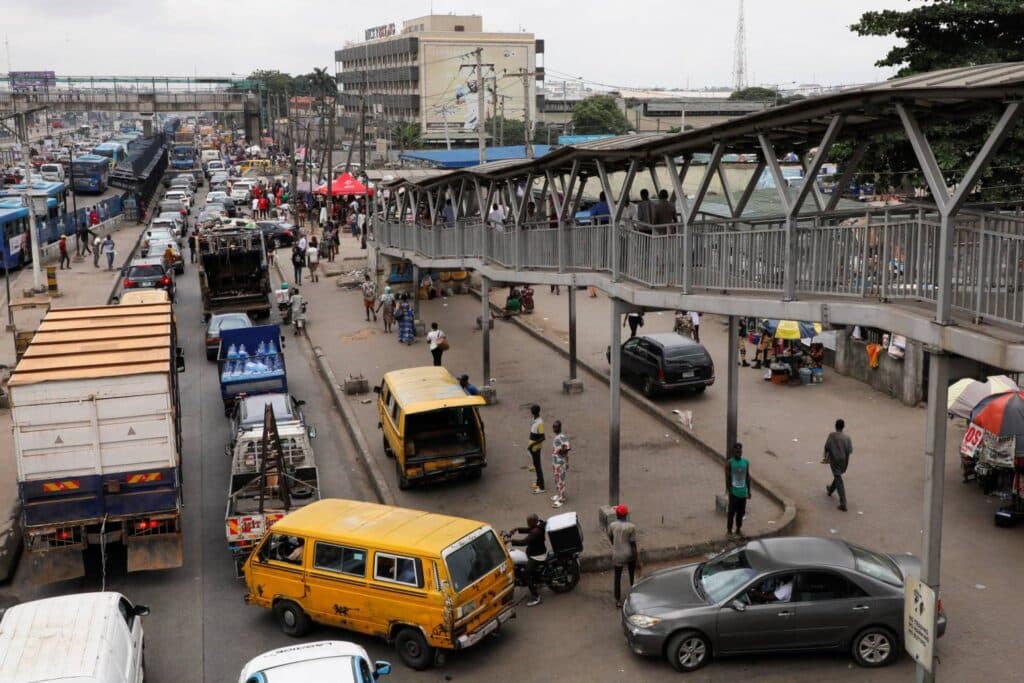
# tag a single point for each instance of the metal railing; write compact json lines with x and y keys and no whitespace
{"x":882,"y":255}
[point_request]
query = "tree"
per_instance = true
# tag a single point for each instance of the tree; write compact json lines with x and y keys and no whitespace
{"x":599,"y":114}
{"x":325,"y":90}
{"x":942,"y":34}
{"x":755,"y":94}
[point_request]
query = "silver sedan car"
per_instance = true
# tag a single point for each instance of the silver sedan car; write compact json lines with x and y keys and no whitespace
{"x":774,"y":595}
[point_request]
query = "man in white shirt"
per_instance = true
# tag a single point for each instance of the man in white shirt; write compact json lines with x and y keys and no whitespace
{"x":255,"y":206}
{"x":695,"y":321}
{"x":303,"y":243}
{"x":496,"y":218}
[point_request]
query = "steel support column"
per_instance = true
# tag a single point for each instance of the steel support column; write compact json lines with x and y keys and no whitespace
{"x":415,"y":292}
{"x":485,"y":326}
{"x":676,"y":176}
{"x":789,"y":268}
{"x":934,"y":478}
{"x":733,"y":386}
{"x":572,"y":331}
{"x":614,"y":403}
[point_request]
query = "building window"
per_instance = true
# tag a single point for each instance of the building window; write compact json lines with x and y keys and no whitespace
{"x":459,"y":29}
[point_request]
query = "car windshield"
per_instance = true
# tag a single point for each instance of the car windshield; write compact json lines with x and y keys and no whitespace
{"x":876,"y":565}
{"x":232,"y":322}
{"x":721,"y":576}
{"x":139,"y":272}
{"x":472,"y":560}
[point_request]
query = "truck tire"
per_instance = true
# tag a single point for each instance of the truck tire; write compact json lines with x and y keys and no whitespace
{"x":293,"y":621}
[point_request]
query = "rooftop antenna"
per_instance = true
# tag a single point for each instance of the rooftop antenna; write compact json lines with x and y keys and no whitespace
{"x":739,"y":64}
{"x":7,"y":46}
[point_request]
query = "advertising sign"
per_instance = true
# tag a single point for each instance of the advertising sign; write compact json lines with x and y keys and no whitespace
{"x":919,"y":621}
{"x":450,"y":88}
{"x":972,"y":439}
{"x":383,"y":31}
{"x":29,"y":80}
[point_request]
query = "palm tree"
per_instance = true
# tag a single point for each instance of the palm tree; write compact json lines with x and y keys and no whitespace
{"x":324,"y":88}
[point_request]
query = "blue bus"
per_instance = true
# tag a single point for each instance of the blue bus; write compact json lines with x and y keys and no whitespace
{"x":56,"y":196}
{"x":115,"y":151}
{"x":14,"y":225}
{"x":90,"y":173}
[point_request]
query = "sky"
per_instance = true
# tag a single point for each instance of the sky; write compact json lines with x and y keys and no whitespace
{"x":671,"y":44}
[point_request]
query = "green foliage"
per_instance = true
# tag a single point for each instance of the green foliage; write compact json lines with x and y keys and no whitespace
{"x":942,"y":34}
{"x":408,"y":136}
{"x":599,"y":114}
{"x":755,"y":94}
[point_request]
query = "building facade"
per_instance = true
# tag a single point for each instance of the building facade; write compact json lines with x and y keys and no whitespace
{"x":425,"y":72}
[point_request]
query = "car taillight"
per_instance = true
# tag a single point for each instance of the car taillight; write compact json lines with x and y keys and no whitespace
{"x":938,"y":606}
{"x":661,"y":375}
{"x":286,"y":233}
{"x":129,"y":283}
{"x":144,"y":524}
{"x":164,"y":281}
{"x":64,"y":534}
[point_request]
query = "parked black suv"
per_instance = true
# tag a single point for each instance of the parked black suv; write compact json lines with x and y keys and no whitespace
{"x":664,"y":362}
{"x":149,"y":273}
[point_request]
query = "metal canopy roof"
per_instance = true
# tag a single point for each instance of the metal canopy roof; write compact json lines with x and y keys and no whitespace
{"x":869,"y":110}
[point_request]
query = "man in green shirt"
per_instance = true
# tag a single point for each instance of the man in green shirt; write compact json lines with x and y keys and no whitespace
{"x":737,"y":485}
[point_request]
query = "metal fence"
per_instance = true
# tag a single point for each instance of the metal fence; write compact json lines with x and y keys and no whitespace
{"x":883,"y":255}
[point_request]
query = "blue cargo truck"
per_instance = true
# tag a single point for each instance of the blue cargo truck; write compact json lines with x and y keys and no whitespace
{"x":97,"y":438}
{"x":251,"y":361}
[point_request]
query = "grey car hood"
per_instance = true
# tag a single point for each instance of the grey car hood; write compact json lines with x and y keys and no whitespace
{"x":668,"y":589}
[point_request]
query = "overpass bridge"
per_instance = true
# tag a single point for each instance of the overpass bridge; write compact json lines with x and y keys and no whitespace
{"x":945,"y":275}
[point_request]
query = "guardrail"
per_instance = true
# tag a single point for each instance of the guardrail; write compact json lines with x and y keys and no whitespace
{"x":883,"y":255}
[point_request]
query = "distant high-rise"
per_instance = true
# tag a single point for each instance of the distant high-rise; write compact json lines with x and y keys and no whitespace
{"x":739,"y":63}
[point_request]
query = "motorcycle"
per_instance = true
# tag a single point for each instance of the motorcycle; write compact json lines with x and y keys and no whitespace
{"x":559,"y":571}
{"x":297,"y":314}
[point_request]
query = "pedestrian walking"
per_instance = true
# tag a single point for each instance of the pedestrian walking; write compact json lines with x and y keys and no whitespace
{"x":838,"y":448}
{"x":406,"y":326}
{"x":298,"y":262}
{"x":313,"y":259}
{"x":438,"y":342}
{"x":94,"y":217}
{"x":387,"y":309}
{"x":369,"y":288}
{"x":622,"y":534}
{"x":534,"y":445}
{"x":193,"y":245}
{"x":96,"y":244}
{"x":741,"y":342}
{"x":255,"y":207}
{"x":695,"y":321}
{"x":683,"y":326}
{"x":737,"y":486}
{"x":62,"y":244}
{"x":560,"y":448}
{"x":85,"y":237}
{"x":108,"y":250}
{"x":635,"y":320}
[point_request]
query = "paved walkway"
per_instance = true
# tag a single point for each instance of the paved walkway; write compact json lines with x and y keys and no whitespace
{"x":668,"y":483}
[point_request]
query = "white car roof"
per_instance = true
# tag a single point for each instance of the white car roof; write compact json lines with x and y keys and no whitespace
{"x":55,"y":639}
{"x":307,"y":662}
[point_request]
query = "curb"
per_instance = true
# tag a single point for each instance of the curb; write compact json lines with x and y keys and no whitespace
{"x":381,"y":487}
{"x":603,"y":560}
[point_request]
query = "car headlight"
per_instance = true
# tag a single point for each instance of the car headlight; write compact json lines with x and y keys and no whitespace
{"x":643,"y":621}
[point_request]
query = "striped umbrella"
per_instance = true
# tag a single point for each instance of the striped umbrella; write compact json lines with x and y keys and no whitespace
{"x":791,"y":329}
{"x":1002,"y":415}
{"x":965,"y":394}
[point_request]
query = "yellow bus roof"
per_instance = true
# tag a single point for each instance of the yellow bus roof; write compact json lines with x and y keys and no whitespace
{"x":428,"y":388}
{"x":370,"y":525}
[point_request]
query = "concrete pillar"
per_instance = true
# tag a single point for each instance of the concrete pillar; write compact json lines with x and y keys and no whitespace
{"x":573,"y":385}
{"x":485,"y":324}
{"x":416,"y":275}
{"x":934,"y":477}
{"x":733,"y":386}
{"x":614,"y":408}
{"x":147,"y":125}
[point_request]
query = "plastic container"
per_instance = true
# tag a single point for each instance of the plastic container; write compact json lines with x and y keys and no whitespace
{"x":565,"y":535}
{"x":805,"y":375}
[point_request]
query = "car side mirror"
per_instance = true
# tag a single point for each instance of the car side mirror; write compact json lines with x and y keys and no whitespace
{"x":376,"y":390}
{"x":312,"y":431}
{"x":381,"y":668}
{"x":179,"y":359}
{"x":115,"y":300}
{"x":141,"y":611}
{"x":738,"y":606}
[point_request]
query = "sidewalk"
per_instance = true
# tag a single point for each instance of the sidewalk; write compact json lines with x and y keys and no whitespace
{"x":83,"y":285}
{"x":669,"y":485}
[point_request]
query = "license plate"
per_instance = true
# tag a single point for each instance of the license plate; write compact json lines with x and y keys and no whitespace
{"x":687,"y":375}
{"x":147,"y":284}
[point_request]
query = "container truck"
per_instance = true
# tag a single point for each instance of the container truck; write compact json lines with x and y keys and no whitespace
{"x":251,"y":361}
{"x":97,"y":438}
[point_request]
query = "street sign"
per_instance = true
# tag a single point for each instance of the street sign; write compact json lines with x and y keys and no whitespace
{"x":972,"y":439}
{"x":919,"y":621}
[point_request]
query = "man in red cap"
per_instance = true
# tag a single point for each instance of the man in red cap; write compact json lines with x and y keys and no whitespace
{"x":622,"y":534}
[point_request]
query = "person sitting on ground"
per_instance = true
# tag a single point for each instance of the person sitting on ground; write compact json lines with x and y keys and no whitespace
{"x":514,"y":301}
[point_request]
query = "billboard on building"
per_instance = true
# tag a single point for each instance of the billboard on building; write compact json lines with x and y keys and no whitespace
{"x":450,"y":88}
{"x":32,"y":80}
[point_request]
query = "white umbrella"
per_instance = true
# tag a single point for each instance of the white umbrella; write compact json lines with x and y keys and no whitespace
{"x":966,"y":393}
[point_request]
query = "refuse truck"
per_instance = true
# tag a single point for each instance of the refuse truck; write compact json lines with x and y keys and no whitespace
{"x":233,"y":272}
{"x":96,"y":420}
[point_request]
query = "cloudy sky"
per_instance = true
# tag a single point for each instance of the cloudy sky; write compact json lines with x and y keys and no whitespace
{"x":671,"y":43}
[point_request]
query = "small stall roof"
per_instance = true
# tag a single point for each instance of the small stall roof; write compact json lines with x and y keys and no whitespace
{"x":91,"y":343}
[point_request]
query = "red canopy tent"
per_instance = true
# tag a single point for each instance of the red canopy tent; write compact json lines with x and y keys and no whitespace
{"x":345,"y":184}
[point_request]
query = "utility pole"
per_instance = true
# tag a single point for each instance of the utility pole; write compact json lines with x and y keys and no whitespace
{"x":527,"y":123}
{"x":494,"y":109}
{"x":362,"y":111}
{"x":481,"y":134}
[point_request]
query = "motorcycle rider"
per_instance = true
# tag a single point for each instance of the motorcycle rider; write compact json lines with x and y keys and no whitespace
{"x":296,"y":307}
{"x":536,"y":553}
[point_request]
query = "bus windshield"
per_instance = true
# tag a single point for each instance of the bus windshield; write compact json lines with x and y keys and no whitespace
{"x":473,"y":557}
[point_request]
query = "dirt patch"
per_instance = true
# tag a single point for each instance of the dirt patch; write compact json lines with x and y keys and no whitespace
{"x":365,"y":333}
